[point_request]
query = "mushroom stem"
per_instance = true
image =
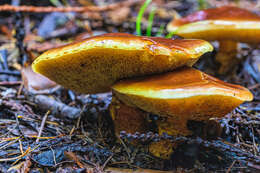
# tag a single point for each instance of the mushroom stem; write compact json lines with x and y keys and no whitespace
{"x":162,"y":149}
{"x":174,"y":126}
{"x":226,"y":55}
{"x":127,"y":118}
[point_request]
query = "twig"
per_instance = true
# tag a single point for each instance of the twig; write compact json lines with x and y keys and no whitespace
{"x":18,"y":126}
{"x":26,"y":165}
{"x":20,"y":89}
{"x":17,"y":107}
{"x":36,"y":120}
{"x":231,"y":166}
{"x":73,"y":157}
{"x":10,"y":143}
{"x":54,"y":156}
{"x":42,"y":126}
{"x":21,"y":146}
{"x":104,"y":165}
{"x":16,"y":138}
{"x":58,"y":108}
{"x":18,"y":157}
{"x":36,"y":9}
{"x":7,"y":72}
{"x":9,"y":83}
{"x":41,"y":47}
{"x":254,"y":86}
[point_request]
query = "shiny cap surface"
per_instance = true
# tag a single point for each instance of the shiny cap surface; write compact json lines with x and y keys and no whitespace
{"x":222,"y":23}
{"x":185,"y":92}
{"x":94,"y":64}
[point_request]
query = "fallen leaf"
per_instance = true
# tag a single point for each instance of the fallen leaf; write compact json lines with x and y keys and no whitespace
{"x":35,"y":81}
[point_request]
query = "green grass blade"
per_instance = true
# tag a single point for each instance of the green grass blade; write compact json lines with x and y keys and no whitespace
{"x":202,"y":4}
{"x":170,"y":35}
{"x":140,"y":16}
{"x":160,"y":31}
{"x":150,"y":22}
{"x":56,"y":3}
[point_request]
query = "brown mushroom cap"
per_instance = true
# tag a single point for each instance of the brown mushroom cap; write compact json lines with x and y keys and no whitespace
{"x":223,"y":23}
{"x":94,"y":64}
{"x":184,"y":94}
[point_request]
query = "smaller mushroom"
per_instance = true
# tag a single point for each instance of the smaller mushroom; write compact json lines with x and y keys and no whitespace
{"x":180,"y":96}
{"x":227,"y":24}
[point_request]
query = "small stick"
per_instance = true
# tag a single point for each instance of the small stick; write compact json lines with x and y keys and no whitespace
{"x":54,"y":156}
{"x":9,"y":83}
{"x":20,"y":89}
{"x":21,"y":146}
{"x":7,"y":72}
{"x":36,"y":9}
{"x":18,"y":126}
{"x":231,"y":166}
{"x":58,"y":108}
{"x":42,"y":126}
{"x":18,"y":157}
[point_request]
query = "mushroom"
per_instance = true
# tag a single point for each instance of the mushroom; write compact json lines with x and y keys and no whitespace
{"x":147,"y":75}
{"x":180,"y":96}
{"x":94,"y":64}
{"x":227,"y":24}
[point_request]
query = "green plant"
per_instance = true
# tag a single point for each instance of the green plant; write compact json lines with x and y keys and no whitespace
{"x":160,"y":31}
{"x":56,"y":3}
{"x":140,"y":16}
{"x":150,"y":21}
{"x":169,"y":35}
{"x":202,"y":4}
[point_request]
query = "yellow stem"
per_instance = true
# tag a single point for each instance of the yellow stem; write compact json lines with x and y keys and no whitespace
{"x":226,"y":55}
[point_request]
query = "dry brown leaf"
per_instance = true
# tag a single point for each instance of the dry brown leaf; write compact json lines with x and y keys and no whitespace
{"x":35,"y":81}
{"x":119,"y":15}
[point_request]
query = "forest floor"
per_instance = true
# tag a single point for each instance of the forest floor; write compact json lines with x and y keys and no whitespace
{"x":58,"y":130}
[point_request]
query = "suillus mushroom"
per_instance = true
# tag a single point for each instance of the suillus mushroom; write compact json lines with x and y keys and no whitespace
{"x":94,"y":64}
{"x":147,"y":75}
{"x":227,"y":24}
{"x":180,"y":96}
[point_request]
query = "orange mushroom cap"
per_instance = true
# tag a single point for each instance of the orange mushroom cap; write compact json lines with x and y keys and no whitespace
{"x":185,"y":93}
{"x":222,"y":23}
{"x":94,"y":64}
